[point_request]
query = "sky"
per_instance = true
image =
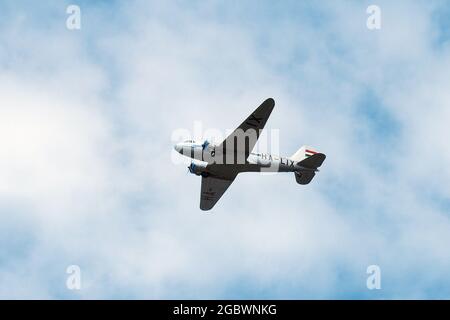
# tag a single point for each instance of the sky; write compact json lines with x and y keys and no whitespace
{"x":89,"y":177}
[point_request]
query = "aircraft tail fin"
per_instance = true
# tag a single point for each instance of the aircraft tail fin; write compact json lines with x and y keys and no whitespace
{"x":303,"y":153}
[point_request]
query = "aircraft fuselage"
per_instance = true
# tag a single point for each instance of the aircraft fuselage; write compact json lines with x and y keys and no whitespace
{"x":209,"y":158}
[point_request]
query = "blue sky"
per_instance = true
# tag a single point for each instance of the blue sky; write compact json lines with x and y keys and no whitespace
{"x":86,"y":172}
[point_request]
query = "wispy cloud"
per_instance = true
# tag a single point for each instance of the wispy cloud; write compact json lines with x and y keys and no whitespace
{"x":86,"y":175}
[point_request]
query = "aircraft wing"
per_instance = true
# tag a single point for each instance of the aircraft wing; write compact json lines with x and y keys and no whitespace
{"x":252,"y":127}
{"x":212,"y":189}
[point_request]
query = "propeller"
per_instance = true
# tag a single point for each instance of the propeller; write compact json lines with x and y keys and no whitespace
{"x":191,"y":167}
{"x":205,"y":144}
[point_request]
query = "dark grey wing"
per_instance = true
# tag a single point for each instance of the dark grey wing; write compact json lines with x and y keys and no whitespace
{"x":243,"y":139}
{"x":212,"y":190}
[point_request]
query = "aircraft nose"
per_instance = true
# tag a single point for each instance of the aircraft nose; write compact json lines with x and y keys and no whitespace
{"x":178,"y":147}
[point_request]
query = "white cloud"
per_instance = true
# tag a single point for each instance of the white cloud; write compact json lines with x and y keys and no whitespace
{"x":85,"y":164}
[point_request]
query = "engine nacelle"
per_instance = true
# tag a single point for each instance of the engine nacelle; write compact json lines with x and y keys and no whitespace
{"x":198,"y":168}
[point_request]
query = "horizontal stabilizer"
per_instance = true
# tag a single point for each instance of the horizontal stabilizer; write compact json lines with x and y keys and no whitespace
{"x":313,"y":162}
{"x":309,"y":165}
{"x":304,"y":177}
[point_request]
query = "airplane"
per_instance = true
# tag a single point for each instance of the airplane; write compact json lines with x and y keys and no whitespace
{"x":218,"y":165}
